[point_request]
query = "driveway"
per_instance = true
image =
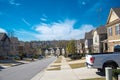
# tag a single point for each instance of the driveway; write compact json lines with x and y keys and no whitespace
{"x":85,"y":73}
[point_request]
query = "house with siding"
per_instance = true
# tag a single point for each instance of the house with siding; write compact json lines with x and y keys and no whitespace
{"x":78,"y":46}
{"x":4,"y":45}
{"x":113,"y":29}
{"x":99,"y":35}
{"x":88,"y":41}
{"x":81,"y":46}
{"x":14,"y":44}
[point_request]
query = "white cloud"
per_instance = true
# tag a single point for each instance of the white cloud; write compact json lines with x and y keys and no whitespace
{"x":55,"y":31}
{"x":2,"y":30}
{"x":12,"y":2}
{"x":26,"y":22}
{"x":61,"y":31}
{"x":43,"y":19}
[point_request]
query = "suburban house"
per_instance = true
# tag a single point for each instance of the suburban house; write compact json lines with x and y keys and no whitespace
{"x":88,"y":41}
{"x":21,"y":47}
{"x":81,"y":47}
{"x":113,"y":29}
{"x":99,"y":35}
{"x":4,"y":45}
{"x":78,"y":46}
{"x":14,"y":44}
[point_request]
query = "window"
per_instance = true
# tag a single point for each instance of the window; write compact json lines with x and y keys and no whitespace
{"x":117,"y":29}
{"x":96,"y":39}
{"x":110,"y":31}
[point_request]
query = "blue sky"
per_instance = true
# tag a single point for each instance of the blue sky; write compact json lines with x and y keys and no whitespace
{"x":53,"y":19}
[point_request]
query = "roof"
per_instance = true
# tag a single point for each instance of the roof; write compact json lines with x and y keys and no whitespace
{"x":89,"y":35}
{"x":117,"y":11}
{"x":14,"y":39}
{"x":3,"y":36}
{"x":101,"y":30}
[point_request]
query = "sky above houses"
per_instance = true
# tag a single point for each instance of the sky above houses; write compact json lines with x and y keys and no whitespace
{"x":53,"y":19}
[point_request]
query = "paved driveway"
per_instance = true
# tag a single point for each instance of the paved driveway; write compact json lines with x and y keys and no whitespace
{"x":85,"y":73}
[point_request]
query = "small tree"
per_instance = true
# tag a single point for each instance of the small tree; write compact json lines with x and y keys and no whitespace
{"x":71,"y":48}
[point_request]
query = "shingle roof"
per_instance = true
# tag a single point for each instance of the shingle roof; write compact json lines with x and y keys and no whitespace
{"x":14,"y":39}
{"x":2,"y":36}
{"x":117,"y":11}
{"x":89,"y":35}
{"x":101,"y":30}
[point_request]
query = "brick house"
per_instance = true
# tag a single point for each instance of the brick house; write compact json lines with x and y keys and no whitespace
{"x":4,"y":44}
{"x":99,"y":35}
{"x":113,"y":29}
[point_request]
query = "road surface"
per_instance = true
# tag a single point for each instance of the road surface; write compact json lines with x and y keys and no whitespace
{"x":25,"y":71}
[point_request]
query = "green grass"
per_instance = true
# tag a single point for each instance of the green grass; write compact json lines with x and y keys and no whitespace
{"x":97,"y":79}
{"x":55,"y":65}
{"x":7,"y":64}
{"x":56,"y":68}
{"x":77,"y":65}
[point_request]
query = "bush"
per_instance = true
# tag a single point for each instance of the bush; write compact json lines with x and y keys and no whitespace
{"x":83,"y":54}
{"x":36,"y":56}
{"x":75,"y":56}
{"x":116,"y":72}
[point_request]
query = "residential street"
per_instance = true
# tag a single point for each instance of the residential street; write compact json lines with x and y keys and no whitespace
{"x":25,"y":71}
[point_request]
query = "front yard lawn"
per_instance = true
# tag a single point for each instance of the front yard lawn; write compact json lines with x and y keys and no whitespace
{"x":97,"y":79}
{"x":58,"y":60}
{"x":77,"y":65}
{"x":54,"y":68}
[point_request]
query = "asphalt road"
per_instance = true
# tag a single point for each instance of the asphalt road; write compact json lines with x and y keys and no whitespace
{"x":25,"y":71}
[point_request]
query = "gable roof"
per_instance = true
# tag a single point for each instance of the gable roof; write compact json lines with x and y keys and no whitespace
{"x":89,"y":35}
{"x":3,"y":36}
{"x":101,"y":30}
{"x":117,"y":12}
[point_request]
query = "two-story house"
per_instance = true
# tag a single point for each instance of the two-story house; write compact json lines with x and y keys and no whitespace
{"x":14,"y":43}
{"x":113,"y":29}
{"x":99,"y":35}
{"x":4,"y":45}
{"x":78,"y":45}
{"x":82,"y":45}
{"x":88,"y":41}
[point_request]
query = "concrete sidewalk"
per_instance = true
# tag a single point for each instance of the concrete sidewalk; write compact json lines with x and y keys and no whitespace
{"x":66,"y":73}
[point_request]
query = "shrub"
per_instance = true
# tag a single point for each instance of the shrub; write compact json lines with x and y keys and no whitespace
{"x":116,"y":72}
{"x":35,"y":56}
{"x":83,"y":54}
{"x":75,"y":56}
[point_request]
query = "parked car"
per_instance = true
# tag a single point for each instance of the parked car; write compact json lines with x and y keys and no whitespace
{"x":41,"y":57}
{"x":102,"y":60}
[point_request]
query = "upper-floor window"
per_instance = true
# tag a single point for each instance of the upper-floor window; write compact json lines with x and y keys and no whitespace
{"x":95,"y":39}
{"x":117,"y":29}
{"x":110,"y":31}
